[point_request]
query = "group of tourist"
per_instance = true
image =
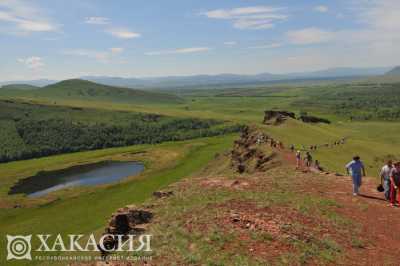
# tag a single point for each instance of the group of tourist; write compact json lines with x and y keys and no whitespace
{"x":308,"y":160}
{"x":272,"y":142}
{"x":390,"y":180}
{"x":390,"y":173}
{"x":327,"y":145}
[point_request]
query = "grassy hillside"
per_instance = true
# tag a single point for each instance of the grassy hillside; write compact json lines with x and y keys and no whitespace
{"x":31,"y":130}
{"x":90,"y":91}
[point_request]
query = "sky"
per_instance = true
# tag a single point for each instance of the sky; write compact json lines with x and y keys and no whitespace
{"x":131,"y":38}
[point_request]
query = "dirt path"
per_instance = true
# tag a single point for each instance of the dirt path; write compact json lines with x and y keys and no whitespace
{"x":378,"y":223}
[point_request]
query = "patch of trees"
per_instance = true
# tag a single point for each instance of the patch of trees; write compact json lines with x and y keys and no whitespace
{"x":313,"y":119}
{"x":54,"y":136}
{"x":358,"y":102}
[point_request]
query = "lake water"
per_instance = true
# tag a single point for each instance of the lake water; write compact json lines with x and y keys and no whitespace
{"x":84,"y":175}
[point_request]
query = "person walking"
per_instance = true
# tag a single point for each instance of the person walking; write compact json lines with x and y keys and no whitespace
{"x":385,"y":178}
{"x":357,"y":170}
{"x":298,"y":159}
{"x":308,"y":159}
{"x":292,"y":147}
{"x":395,"y":184}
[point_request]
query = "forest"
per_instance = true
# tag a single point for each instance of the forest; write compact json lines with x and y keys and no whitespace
{"x":45,"y":131}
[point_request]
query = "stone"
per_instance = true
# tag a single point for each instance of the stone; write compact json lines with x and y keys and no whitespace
{"x":163,"y":194}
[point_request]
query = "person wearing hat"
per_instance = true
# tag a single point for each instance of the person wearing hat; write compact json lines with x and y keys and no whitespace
{"x":385,"y":178}
{"x":395,"y":184}
{"x":356,"y":169}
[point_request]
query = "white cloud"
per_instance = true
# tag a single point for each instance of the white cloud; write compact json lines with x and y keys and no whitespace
{"x":33,"y":62}
{"x":310,"y":36}
{"x":97,"y":20}
{"x":266,"y":46}
{"x":101,"y":56}
{"x":22,"y":17}
{"x":123,"y":33}
{"x":254,"y":17}
{"x":230,"y":43}
{"x":180,"y":51}
{"x":29,"y":25}
{"x":116,"y":50}
{"x":93,"y":54}
{"x":253,"y":24}
{"x":321,"y":9}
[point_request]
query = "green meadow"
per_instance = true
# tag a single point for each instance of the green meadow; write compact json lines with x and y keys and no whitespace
{"x":86,"y":209}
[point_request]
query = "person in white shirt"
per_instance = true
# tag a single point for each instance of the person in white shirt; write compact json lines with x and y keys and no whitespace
{"x":357,"y":170}
{"x":385,"y":178}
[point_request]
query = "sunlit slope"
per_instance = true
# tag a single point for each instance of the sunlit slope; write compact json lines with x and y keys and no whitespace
{"x":373,"y":141}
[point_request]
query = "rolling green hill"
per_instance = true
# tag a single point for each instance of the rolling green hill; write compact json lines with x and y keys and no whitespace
{"x":76,"y":89}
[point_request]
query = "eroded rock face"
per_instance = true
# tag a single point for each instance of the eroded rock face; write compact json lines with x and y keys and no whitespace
{"x":272,"y":117}
{"x":247,"y":154}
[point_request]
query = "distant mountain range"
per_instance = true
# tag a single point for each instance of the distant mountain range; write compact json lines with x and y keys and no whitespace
{"x":206,"y":80}
{"x":36,"y":82}
{"x":394,"y":72}
{"x":221,"y":79}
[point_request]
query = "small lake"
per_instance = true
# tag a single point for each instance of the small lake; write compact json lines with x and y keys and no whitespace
{"x":82,"y":175}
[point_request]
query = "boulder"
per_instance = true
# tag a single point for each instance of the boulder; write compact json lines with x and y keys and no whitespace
{"x":277,"y":117}
{"x":162,"y":194}
{"x":126,"y":219}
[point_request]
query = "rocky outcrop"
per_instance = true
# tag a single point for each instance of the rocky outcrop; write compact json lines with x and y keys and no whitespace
{"x":162,"y":194}
{"x":249,"y":154}
{"x":313,"y":119}
{"x":272,"y":117}
{"x":127,"y":220}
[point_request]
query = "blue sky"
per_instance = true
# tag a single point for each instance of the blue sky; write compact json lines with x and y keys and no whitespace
{"x":66,"y":39}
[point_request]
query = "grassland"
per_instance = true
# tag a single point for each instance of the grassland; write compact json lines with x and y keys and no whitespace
{"x":86,"y":209}
{"x":366,"y":138}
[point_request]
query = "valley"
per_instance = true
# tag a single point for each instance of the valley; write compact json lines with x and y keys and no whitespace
{"x":184,"y":143}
